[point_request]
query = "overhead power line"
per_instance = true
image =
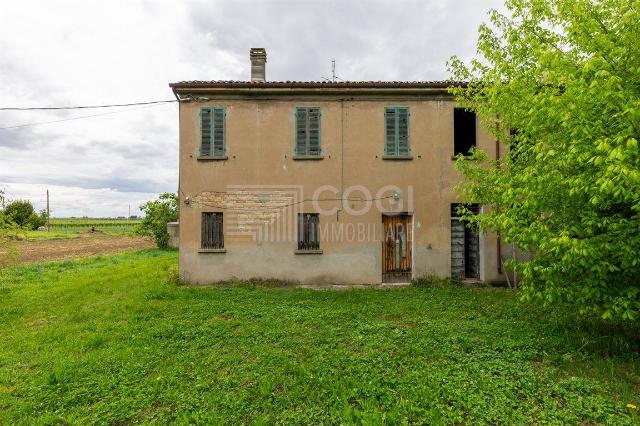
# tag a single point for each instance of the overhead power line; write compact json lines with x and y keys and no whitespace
{"x":85,"y":106}
{"x":76,"y":117}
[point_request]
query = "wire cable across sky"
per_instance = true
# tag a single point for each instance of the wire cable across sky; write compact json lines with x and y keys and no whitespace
{"x":85,"y":106}
{"x":144,"y":106}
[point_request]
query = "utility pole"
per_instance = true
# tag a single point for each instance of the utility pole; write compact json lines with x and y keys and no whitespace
{"x":48,"y":215}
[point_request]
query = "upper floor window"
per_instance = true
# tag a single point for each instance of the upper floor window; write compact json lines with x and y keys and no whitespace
{"x":308,"y":132}
{"x":396,"y":132}
{"x":212,"y":132}
{"x":464,"y":131}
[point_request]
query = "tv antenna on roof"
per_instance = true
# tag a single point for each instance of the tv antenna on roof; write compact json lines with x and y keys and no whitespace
{"x":334,"y":77}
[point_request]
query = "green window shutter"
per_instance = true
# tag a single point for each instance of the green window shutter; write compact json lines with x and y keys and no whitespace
{"x":212,"y":132}
{"x":301,"y":131}
{"x":218,"y":132}
{"x":206,"y":123}
{"x":308,"y":131}
{"x":396,"y":131}
{"x":313,"y":117}
{"x":403,"y":131}
{"x":390,"y":130}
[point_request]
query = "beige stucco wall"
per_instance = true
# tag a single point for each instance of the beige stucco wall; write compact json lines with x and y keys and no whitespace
{"x":259,"y":139}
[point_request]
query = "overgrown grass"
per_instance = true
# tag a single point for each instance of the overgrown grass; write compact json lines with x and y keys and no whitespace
{"x":434,"y":281}
{"x":114,"y":340}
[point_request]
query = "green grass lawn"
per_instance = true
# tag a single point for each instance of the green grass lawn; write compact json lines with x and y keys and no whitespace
{"x":113,"y":340}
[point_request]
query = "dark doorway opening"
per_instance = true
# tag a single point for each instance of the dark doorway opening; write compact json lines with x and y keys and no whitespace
{"x":465,"y":245}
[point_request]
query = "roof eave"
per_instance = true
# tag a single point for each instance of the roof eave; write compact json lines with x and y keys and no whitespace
{"x":266,"y":91}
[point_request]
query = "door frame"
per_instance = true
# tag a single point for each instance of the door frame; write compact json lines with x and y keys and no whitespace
{"x":479,"y":241}
{"x":409,"y":231}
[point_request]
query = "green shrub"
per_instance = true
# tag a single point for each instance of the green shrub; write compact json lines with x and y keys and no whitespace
{"x":19,"y":212}
{"x":157,"y":214}
{"x":22,"y":213}
{"x":5,"y":221}
{"x":173,"y":275}
{"x":34,"y":221}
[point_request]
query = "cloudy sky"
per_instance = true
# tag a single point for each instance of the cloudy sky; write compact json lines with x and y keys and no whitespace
{"x":85,"y":52}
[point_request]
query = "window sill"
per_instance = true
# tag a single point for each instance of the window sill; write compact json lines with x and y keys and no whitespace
{"x":308,"y":157}
{"x":214,"y":158}
{"x":397,"y":157}
{"x":308,"y":252}
{"x":212,"y":250}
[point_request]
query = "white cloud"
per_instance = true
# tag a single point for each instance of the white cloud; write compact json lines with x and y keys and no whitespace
{"x":65,"y":201}
{"x":92,"y":52}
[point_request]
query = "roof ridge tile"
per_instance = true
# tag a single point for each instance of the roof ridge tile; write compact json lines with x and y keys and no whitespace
{"x":303,"y":84}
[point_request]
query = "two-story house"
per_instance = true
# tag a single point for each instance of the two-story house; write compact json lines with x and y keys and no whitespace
{"x":325,"y":182}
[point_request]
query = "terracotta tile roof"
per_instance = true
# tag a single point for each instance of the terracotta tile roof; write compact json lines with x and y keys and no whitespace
{"x":439,"y":84}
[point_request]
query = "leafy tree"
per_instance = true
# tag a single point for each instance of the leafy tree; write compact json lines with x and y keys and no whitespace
{"x":559,"y":81}
{"x":5,"y":222}
{"x":22,"y":213}
{"x":157,"y":214}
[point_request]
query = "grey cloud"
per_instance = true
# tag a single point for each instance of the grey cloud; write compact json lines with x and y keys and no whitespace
{"x":18,"y":139}
{"x":117,"y":182}
{"x":373,"y":40}
{"x":137,"y":152}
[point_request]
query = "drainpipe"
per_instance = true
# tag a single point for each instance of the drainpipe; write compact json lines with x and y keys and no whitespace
{"x":515,"y":276}
{"x":499,"y":242}
{"x":341,"y":160}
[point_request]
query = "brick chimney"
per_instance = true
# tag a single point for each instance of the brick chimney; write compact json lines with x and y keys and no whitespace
{"x":258,"y":58}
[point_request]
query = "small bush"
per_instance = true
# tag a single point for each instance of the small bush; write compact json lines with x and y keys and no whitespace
{"x":434,"y":281}
{"x":173,"y":275}
{"x":35,"y":221}
{"x":157,"y":214}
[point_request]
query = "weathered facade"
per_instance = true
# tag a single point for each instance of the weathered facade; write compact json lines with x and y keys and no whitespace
{"x":325,"y":182}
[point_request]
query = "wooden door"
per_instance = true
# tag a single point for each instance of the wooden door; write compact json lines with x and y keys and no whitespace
{"x":396,"y":248}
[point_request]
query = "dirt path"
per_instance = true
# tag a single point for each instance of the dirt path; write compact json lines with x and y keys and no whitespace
{"x":73,"y":248}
